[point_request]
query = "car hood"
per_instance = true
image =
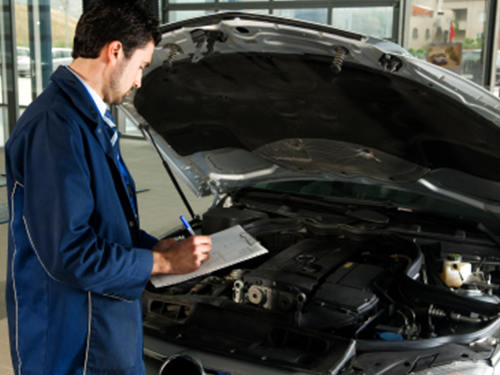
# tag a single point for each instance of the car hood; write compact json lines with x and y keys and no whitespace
{"x":234,"y":99}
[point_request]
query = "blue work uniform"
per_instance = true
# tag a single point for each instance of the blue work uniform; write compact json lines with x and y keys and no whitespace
{"x":77,"y":260}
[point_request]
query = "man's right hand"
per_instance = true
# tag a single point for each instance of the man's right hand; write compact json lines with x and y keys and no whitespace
{"x":177,"y":257}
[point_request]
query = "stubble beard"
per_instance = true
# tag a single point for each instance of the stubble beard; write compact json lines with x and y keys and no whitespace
{"x":117,"y":96}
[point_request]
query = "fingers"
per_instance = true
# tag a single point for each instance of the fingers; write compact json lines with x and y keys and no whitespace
{"x":199,"y":240}
{"x":181,"y":256}
{"x":164,"y":245}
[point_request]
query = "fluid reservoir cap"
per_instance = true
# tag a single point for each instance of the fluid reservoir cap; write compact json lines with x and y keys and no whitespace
{"x":454,"y":257}
{"x":390,"y":336}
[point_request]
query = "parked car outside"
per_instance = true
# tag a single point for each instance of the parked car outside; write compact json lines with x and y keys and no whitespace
{"x":370,"y":176}
{"x":23,"y":62}
{"x":60,"y":56}
{"x":22,"y":52}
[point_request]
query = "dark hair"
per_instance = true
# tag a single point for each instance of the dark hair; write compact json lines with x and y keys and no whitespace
{"x":129,"y":21}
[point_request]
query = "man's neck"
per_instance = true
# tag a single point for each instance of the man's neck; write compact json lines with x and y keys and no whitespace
{"x":92,"y":72}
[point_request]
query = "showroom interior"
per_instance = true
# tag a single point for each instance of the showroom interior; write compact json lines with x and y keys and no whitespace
{"x":36,"y":37}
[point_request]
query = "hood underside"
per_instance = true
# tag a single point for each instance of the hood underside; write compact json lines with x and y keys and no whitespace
{"x":251,"y":108}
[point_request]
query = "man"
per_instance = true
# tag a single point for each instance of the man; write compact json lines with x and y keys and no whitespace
{"x":78,"y":262}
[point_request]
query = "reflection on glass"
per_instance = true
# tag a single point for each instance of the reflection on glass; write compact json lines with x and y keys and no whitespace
{"x":180,"y":15}
{"x":189,"y":1}
{"x":23,"y":54}
{"x":130,"y":128}
{"x":497,"y":73}
{"x":238,"y":1}
{"x":258,"y":11}
{"x":318,"y":15}
{"x":376,"y":21}
{"x":64,"y":15}
{"x":3,"y":118}
{"x":450,"y":35}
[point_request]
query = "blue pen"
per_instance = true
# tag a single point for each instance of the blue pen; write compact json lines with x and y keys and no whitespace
{"x":188,"y":227}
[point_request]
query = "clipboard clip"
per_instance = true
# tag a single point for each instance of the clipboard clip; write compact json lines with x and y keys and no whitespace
{"x":248,"y":238}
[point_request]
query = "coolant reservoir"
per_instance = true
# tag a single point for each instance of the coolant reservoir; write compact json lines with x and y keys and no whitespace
{"x":455,"y":272}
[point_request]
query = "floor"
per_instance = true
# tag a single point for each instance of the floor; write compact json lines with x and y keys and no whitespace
{"x":159,"y":209}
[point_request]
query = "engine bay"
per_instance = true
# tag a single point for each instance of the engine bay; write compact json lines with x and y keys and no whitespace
{"x":332,"y":285}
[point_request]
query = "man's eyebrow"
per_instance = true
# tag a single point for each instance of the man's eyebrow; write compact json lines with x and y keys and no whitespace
{"x":146,"y":63}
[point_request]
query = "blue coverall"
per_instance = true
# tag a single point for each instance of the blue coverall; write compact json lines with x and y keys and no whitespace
{"x":77,"y":260}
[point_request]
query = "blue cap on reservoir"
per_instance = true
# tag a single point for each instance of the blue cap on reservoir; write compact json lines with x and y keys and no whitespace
{"x":390,"y":336}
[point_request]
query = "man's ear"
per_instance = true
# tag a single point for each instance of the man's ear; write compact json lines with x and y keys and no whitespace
{"x":114,"y":52}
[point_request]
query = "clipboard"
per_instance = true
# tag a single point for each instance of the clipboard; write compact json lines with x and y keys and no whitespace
{"x":229,"y":247}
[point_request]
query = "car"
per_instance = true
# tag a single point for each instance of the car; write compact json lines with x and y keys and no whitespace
{"x":60,"y":56}
{"x":23,"y":56}
{"x":370,"y":176}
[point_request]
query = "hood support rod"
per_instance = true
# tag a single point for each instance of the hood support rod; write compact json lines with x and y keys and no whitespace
{"x":145,"y":128}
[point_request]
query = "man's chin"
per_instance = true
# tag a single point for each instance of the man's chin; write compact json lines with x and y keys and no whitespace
{"x":119,"y":101}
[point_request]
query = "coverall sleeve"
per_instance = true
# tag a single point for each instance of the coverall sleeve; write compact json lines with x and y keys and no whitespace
{"x":50,"y":163}
{"x":148,"y":241}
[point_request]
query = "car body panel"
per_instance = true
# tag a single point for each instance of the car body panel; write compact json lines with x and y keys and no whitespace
{"x":363,"y":171}
{"x":404,"y":82}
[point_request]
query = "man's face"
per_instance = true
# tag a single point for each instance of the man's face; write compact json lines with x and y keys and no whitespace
{"x":128,"y":74}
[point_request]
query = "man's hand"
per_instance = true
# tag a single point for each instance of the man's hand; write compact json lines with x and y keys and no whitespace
{"x":172,"y":257}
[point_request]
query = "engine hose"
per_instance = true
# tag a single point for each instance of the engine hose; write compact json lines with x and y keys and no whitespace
{"x":456,"y":317}
{"x":447,"y":299}
{"x":467,"y":338}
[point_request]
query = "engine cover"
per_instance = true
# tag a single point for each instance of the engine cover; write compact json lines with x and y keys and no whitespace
{"x":313,"y":278}
{"x":348,"y":288}
{"x":289,"y":279}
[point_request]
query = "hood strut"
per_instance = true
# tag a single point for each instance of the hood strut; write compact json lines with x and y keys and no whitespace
{"x":145,"y":128}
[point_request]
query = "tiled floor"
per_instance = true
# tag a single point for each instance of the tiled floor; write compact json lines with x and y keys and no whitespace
{"x":159,"y":208}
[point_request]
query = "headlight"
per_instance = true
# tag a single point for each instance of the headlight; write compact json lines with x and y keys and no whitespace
{"x":460,"y":368}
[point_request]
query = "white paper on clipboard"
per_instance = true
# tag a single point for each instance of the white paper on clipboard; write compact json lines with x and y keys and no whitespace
{"x":229,"y":247}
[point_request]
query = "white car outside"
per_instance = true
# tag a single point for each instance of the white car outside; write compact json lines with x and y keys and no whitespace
{"x":60,"y":56}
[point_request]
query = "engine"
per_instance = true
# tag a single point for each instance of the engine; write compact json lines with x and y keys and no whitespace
{"x":317,"y":278}
{"x":312,"y":272}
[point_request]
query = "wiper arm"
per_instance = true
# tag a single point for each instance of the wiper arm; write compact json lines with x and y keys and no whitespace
{"x":366,"y":215}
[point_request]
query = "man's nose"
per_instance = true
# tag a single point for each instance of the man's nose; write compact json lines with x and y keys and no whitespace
{"x":138,"y":79}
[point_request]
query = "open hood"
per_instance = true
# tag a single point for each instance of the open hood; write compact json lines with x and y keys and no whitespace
{"x":234,"y":99}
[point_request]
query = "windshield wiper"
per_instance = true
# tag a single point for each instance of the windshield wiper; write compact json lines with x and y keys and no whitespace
{"x":346,"y":208}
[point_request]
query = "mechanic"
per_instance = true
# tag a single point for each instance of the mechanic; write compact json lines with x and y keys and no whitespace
{"x":77,"y":260}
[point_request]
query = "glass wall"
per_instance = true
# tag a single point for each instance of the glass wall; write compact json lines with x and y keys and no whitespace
{"x":450,"y":33}
{"x":371,"y":20}
{"x":180,"y":15}
{"x":317,"y":15}
{"x":375,"y":21}
{"x":45,"y":31}
{"x":23,"y":54}
{"x":8,"y":85}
